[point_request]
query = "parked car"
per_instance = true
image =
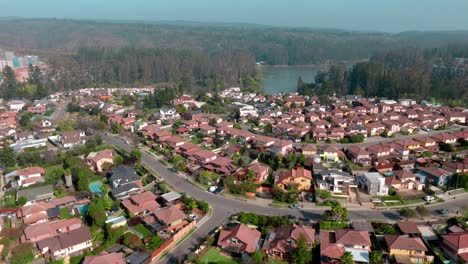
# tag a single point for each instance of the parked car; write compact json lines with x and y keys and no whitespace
{"x":295,"y":206}
{"x":292,"y":217}
{"x":442,"y":211}
{"x":428,"y":198}
{"x":192,"y":217}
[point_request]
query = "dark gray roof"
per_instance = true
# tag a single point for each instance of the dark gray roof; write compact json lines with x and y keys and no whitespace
{"x":37,"y":193}
{"x":123,"y":174}
{"x":115,"y":248}
{"x":123,"y":190}
{"x":138,"y":257}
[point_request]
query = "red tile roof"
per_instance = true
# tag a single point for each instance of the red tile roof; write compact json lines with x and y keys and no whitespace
{"x":249,"y":237}
{"x":457,"y":240}
{"x":404,"y":242}
{"x":169,"y":215}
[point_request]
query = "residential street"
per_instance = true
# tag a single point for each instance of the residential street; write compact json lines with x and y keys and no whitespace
{"x":223,"y":207}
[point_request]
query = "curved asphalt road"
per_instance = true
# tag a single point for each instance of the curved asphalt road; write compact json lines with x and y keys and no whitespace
{"x":224,"y":207}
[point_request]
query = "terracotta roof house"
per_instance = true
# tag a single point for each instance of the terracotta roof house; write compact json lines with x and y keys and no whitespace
{"x":27,"y":176}
{"x":309,"y":150}
{"x":203,"y":156}
{"x":281,"y":146}
{"x":72,"y":138}
{"x":106,"y":258}
{"x":461,"y":135}
{"x":222,"y":165}
{"x":70,"y":243}
{"x":426,"y":141}
{"x":141,"y":203}
{"x":170,"y":216}
{"x":187,"y":149}
{"x":37,"y":232}
{"x":97,"y":159}
{"x":333,"y":244}
{"x":408,"y":228}
{"x":456,"y":167}
{"x":379,"y":151}
{"x":239,"y":239}
{"x":36,"y":213}
{"x":260,"y":171}
{"x":162,"y":135}
{"x":455,"y":246}
{"x":294,"y":99}
{"x":282,"y":241}
{"x":122,"y":175}
{"x":404,"y":180}
{"x":358,"y":155}
{"x":174,"y":142}
{"x":263,"y":141}
{"x":406,"y":249}
{"x":445,"y":138}
{"x":298,"y":177}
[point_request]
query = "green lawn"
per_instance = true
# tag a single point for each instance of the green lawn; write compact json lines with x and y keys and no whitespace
{"x":330,"y":225}
{"x":213,"y":256}
{"x":64,"y":213}
{"x":143,"y":230}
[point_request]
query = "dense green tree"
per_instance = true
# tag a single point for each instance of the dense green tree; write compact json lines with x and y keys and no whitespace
{"x":96,"y":211}
{"x":376,"y":257}
{"x":9,"y":86}
{"x":21,"y":201}
{"x":54,"y":174}
{"x":8,"y":156}
{"x":347,"y":258}
{"x":258,"y":257}
{"x":407,"y":212}
{"x":301,"y":254}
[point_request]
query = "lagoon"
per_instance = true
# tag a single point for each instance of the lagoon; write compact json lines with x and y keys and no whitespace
{"x":284,"y":78}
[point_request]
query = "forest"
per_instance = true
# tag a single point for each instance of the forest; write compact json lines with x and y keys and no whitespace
{"x":272,"y":45}
{"x":439,"y":74}
{"x":191,"y":71}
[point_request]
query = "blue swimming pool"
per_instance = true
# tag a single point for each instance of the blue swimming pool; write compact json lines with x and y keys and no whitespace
{"x":82,"y":209}
{"x":95,"y":188}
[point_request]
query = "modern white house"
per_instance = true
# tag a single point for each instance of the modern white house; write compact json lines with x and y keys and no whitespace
{"x":169,"y":114}
{"x":372,"y":183}
{"x":335,"y":181}
{"x":16,"y":105}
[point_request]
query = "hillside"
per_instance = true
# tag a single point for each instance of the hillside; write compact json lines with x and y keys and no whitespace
{"x":270,"y":44}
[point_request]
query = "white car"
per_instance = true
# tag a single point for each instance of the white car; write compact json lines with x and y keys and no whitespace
{"x":429,"y":198}
{"x":192,"y":216}
{"x":213,"y":189}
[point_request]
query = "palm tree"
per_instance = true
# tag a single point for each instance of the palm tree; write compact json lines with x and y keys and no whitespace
{"x":376,"y":257}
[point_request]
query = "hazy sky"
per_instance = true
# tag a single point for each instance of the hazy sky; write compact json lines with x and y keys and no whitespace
{"x":381,"y":15}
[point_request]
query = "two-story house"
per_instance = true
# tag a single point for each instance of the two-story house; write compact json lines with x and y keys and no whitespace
{"x":358,"y":155}
{"x":455,"y":246}
{"x":406,"y":249}
{"x":71,"y":243}
{"x":282,"y":241}
{"x":96,"y":160}
{"x":372,"y":183}
{"x":333,"y":244}
{"x":140,"y":204}
{"x":298,"y":177}
{"x":239,"y":239}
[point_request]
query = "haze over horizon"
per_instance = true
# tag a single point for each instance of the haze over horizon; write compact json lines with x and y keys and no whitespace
{"x":360,"y":15}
